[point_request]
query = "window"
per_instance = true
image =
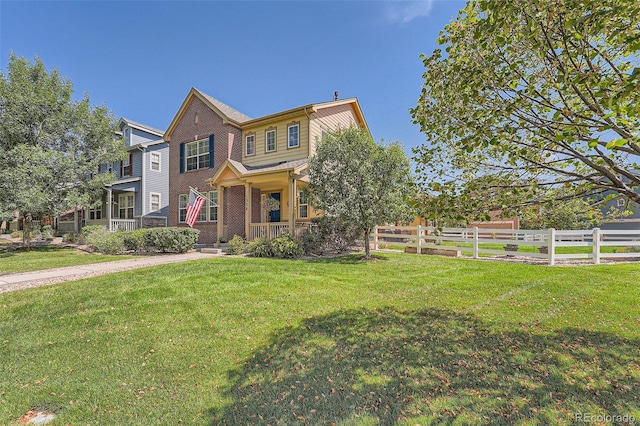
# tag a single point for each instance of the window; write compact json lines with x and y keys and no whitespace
{"x":154,"y":202}
{"x":294,"y":136}
{"x":620,"y":202}
{"x":126,"y":137}
{"x":155,"y":161}
{"x":197,"y":155}
{"x":125,"y":206}
{"x":303,"y":204}
{"x":270,"y":140}
{"x":125,"y":169}
{"x":95,"y":213}
{"x":183,"y":201}
{"x":213,"y":206}
{"x":250,"y":145}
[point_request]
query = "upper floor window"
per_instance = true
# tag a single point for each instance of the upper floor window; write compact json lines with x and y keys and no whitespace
{"x":127,"y":136}
{"x":250,"y":145}
{"x":155,"y":161}
{"x":294,"y":136}
{"x":197,"y":155}
{"x":270,"y":140}
{"x":125,"y":167}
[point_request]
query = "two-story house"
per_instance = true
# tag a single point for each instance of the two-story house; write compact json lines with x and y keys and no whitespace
{"x":139,"y":197}
{"x":239,"y":162}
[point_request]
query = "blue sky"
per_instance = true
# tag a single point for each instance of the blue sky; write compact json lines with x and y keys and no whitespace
{"x":260,"y":57}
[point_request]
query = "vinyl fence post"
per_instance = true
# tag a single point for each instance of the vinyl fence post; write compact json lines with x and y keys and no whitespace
{"x":419,"y":238}
{"x":596,"y":245}
{"x":551,"y":249}
{"x":475,"y":242}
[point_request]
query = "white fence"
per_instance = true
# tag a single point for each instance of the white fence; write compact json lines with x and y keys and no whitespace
{"x":123,"y":224}
{"x":549,"y":244}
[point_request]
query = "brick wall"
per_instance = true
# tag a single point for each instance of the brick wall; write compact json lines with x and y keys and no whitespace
{"x":187,"y":131}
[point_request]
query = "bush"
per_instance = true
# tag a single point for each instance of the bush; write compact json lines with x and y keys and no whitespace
{"x":260,"y":247}
{"x":286,"y":247}
{"x":106,"y":242}
{"x":173,"y":239}
{"x":71,"y":237}
{"x":236,"y":245}
{"x":88,"y":230}
{"x":47,"y":232}
{"x":16,"y":234}
{"x":134,"y":240}
{"x":329,"y":234}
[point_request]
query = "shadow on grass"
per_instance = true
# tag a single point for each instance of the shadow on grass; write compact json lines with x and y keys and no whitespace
{"x":430,"y":366}
{"x":348,"y":259}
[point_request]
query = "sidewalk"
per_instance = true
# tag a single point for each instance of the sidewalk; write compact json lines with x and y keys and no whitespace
{"x":11,"y":282}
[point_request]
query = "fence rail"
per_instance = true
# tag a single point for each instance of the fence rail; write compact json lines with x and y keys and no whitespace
{"x":123,"y":224}
{"x":549,"y":244}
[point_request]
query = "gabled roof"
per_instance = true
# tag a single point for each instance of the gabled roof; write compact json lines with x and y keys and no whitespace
{"x":243,"y":171}
{"x":139,"y":126}
{"x":228,"y":114}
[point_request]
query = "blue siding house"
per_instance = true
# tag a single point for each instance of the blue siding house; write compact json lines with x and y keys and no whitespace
{"x":139,"y":197}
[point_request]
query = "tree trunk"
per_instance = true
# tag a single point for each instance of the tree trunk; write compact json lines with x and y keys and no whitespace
{"x":367,"y":248}
{"x":26,"y":229}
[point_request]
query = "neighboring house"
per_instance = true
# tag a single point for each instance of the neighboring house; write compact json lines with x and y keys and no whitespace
{"x":139,"y":197}
{"x":238,"y":162}
{"x":628,"y":222}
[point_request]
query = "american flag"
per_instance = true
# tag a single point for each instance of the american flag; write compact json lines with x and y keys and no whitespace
{"x":196,"y":201}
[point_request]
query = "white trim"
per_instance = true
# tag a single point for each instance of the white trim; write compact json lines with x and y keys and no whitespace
{"x":151,"y":162}
{"x":246,"y":145}
{"x":289,"y":135}
{"x":151,"y":194}
{"x":266,"y":140}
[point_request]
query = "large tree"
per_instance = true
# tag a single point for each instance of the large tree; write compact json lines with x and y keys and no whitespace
{"x":531,"y":97}
{"x":357,"y":181}
{"x":50,"y":144}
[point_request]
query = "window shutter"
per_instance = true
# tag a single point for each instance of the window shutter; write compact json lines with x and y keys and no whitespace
{"x":182,"y":158}
{"x":211,"y":138}
{"x":130,"y":164}
{"x":121,"y":168}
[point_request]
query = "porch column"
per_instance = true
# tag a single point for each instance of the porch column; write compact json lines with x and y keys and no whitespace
{"x":109,"y":207}
{"x":247,"y":209}
{"x":292,"y":205}
{"x":220,"y":190}
{"x":75,"y":219}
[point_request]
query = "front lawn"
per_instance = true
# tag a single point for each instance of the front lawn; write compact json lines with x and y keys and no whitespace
{"x":48,"y":257}
{"x":404,"y":340}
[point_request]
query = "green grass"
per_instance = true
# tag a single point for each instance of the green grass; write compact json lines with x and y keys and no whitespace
{"x":40,"y":258}
{"x":402,"y":340}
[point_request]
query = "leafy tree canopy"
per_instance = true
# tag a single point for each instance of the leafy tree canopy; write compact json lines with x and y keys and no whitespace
{"x":50,"y":145}
{"x":531,"y":101}
{"x":360,"y":182}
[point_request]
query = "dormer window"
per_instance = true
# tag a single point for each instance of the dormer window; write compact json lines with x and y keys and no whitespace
{"x":127,"y":136}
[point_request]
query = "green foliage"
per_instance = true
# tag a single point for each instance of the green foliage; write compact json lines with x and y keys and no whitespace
{"x":47,"y":232}
{"x":236,"y":245}
{"x":135,"y":240}
{"x":330,"y":234}
{"x":71,"y":237}
{"x":260,"y":247}
{"x":50,"y":144}
{"x":88,"y":230}
{"x":531,"y":97}
{"x":360,"y":182}
{"x":286,"y":247}
{"x":16,"y":234}
{"x":569,"y":214}
{"x":175,"y":239}
{"x":103,"y":241}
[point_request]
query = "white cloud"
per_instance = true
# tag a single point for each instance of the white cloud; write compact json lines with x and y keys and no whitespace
{"x":403,"y":11}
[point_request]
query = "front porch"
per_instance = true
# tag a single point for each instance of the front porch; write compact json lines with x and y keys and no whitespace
{"x":274,"y":230}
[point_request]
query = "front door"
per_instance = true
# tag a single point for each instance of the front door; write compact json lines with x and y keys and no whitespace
{"x":274,"y":215}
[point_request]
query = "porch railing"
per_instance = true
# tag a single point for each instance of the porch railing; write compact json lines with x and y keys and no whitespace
{"x":274,"y":230}
{"x":123,"y":224}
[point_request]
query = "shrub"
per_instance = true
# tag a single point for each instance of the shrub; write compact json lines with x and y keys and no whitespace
{"x":311,"y":241}
{"x":286,"y":247}
{"x":236,"y":245}
{"x":47,"y":232}
{"x":16,"y":234}
{"x":334,"y":235}
{"x":88,"y":230}
{"x":260,"y":247}
{"x":71,"y":237}
{"x":134,"y":240}
{"x":172,"y":239}
{"x":106,"y":242}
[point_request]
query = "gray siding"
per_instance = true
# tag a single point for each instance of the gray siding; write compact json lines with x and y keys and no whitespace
{"x":157,"y":181}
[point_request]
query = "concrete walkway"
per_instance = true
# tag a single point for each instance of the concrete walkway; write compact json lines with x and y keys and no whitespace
{"x":10,"y":282}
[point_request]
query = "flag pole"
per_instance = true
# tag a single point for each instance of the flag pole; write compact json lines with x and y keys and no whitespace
{"x":203,"y":196}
